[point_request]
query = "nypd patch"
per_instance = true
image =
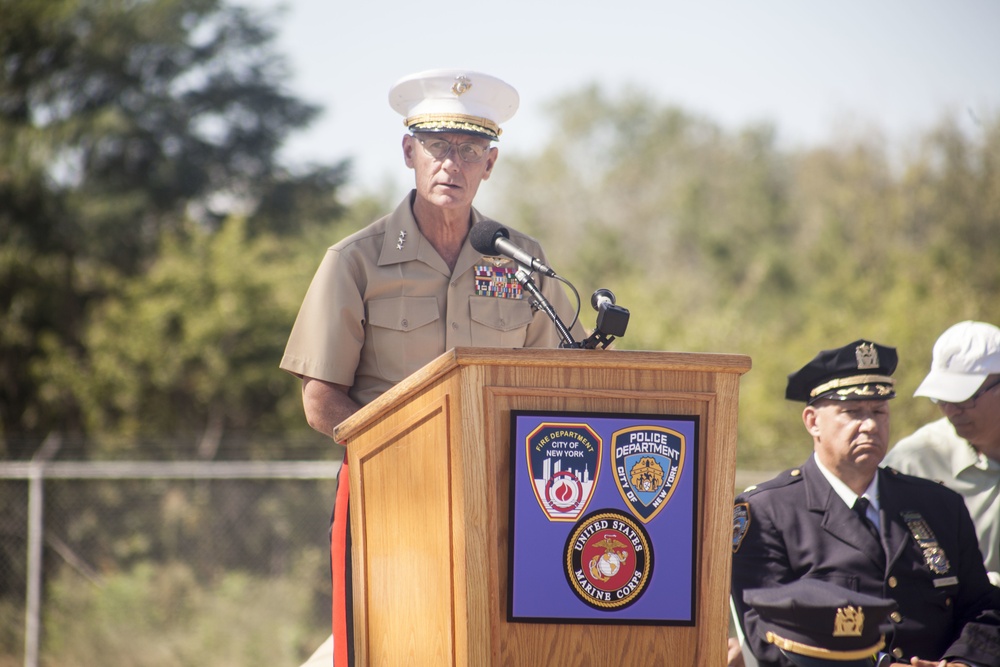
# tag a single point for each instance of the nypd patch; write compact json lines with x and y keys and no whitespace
{"x":741,"y":523}
{"x":647,"y":461}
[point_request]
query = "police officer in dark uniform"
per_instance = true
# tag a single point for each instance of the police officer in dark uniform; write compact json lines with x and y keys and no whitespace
{"x":842,"y":519}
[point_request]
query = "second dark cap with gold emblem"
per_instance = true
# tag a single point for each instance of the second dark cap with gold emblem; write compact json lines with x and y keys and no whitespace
{"x":858,"y":371}
{"x":816,"y":623}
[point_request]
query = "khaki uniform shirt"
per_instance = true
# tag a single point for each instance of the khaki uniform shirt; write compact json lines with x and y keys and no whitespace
{"x":936,"y":452}
{"x":383,"y":304}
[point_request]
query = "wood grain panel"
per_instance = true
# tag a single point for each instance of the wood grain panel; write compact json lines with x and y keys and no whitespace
{"x":430,"y":505}
{"x":407,"y":544}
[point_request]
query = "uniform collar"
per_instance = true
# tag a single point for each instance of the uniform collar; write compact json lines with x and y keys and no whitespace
{"x":403,"y":241}
{"x":845,"y":493}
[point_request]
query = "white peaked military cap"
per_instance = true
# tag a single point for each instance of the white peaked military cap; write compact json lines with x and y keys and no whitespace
{"x":454,"y":100}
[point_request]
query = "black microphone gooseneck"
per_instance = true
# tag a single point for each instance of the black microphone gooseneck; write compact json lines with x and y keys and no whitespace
{"x":523,"y":276}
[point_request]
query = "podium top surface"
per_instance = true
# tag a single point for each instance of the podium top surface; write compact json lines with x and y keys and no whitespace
{"x":501,"y":356}
{"x":545,"y":358}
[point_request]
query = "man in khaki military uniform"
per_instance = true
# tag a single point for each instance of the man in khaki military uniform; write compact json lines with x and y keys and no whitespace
{"x":395,"y":295}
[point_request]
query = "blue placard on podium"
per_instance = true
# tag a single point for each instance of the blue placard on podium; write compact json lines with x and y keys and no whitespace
{"x":603,"y":514}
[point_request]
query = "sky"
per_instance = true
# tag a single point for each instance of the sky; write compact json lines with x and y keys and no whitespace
{"x":813,"y":68}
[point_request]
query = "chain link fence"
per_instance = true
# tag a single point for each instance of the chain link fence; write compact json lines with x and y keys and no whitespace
{"x":150,"y":564}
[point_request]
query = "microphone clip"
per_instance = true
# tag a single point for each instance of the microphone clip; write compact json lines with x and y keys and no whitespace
{"x":612,"y":320}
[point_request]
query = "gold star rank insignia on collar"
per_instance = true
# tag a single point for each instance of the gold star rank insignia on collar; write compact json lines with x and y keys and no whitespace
{"x":402,"y":240}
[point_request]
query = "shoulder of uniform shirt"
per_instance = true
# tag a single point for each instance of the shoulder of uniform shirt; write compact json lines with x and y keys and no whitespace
{"x":914,"y":479}
{"x":786,"y":478}
{"x":375,"y":229}
{"x":931,"y":491}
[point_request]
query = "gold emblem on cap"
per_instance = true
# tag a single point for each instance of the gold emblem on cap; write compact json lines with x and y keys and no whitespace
{"x":867,"y":356}
{"x":850,"y":621}
{"x":461,"y":86}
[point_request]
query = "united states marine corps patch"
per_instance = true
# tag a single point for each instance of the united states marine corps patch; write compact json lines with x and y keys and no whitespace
{"x":608,"y":560}
{"x":647,"y":461}
{"x":741,"y":523}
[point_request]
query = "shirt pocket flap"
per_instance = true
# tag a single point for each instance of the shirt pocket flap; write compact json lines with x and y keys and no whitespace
{"x":501,"y":314}
{"x":403,"y":313}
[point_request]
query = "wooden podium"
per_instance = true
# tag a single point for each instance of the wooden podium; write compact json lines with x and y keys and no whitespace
{"x":430,"y":474}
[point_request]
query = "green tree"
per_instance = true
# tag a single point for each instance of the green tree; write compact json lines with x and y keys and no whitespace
{"x":190,"y":348}
{"x":721,"y":241}
{"x":121,"y":120}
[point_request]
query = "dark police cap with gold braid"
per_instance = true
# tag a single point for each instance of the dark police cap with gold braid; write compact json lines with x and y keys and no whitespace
{"x":817,"y":623}
{"x":859,"y":371}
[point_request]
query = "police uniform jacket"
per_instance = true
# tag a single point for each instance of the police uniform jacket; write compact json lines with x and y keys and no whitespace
{"x":383,"y":304}
{"x":796,"y":526}
{"x":935,"y":451}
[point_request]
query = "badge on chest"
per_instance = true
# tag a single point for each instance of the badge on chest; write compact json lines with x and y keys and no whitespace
{"x":934,"y":556}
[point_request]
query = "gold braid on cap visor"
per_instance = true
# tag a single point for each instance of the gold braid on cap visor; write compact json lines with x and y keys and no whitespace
{"x":816,"y":652}
{"x":458,"y":122}
{"x":852,"y":381}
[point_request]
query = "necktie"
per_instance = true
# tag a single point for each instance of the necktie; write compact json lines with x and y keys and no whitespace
{"x":861,"y":509}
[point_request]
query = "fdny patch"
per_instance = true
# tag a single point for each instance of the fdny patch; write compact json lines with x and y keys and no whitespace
{"x":564,"y":461}
{"x":497,"y":281}
{"x":741,"y":523}
{"x":647,"y":461}
{"x":608,"y":560}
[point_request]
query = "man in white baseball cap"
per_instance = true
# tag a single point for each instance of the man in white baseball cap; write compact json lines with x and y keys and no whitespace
{"x":962,"y":450}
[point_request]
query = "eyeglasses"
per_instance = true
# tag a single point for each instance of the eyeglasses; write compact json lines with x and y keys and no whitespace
{"x":970,"y":402}
{"x":439,"y":149}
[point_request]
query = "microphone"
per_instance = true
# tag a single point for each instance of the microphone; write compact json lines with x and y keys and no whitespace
{"x":612,"y":320}
{"x":491,"y":238}
{"x":602,"y":298}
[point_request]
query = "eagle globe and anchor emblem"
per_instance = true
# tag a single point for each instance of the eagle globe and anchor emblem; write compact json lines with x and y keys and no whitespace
{"x":605,"y":566}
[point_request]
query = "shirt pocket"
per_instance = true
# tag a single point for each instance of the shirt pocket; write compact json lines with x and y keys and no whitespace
{"x":499,"y":322}
{"x":402,"y":336}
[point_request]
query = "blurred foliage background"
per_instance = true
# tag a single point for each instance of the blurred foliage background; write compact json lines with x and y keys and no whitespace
{"x":154,"y":252}
{"x":722,"y":242}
